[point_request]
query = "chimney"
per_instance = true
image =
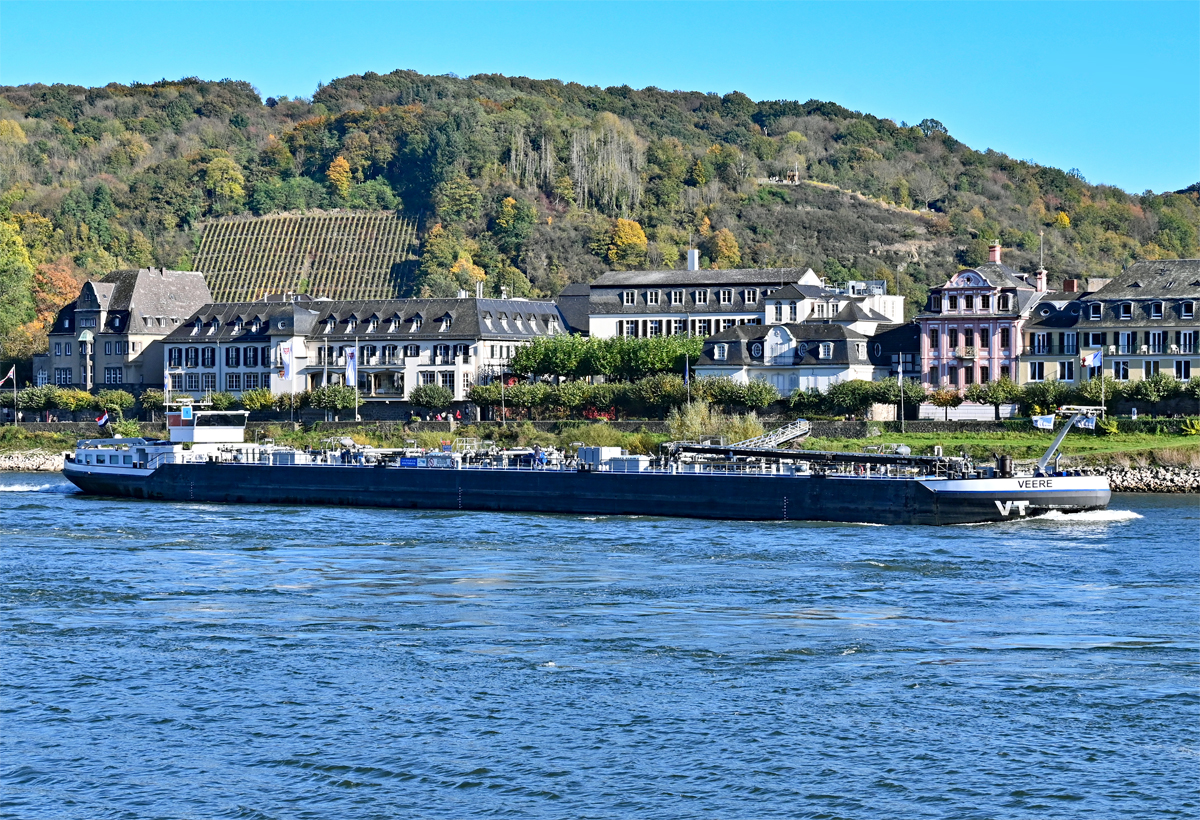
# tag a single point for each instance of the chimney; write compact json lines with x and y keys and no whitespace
{"x":1041,"y":280}
{"x":994,"y":252}
{"x":693,"y":259}
{"x":462,"y":294}
{"x":503,"y":292}
{"x":1070,"y":286}
{"x":479,"y":290}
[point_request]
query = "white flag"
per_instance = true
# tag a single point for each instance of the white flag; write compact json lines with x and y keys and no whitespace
{"x":352,"y":366}
{"x":1043,"y":422}
{"x":285,"y":357}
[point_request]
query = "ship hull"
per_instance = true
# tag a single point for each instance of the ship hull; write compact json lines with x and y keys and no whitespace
{"x":804,"y":497}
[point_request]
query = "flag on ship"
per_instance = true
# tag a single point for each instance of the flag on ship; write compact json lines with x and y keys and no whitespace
{"x":1043,"y":422}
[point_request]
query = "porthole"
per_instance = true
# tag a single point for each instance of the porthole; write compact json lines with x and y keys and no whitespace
{"x":1045,"y":311}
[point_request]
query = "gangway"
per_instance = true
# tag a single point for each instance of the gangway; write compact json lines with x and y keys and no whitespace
{"x":780,"y":435}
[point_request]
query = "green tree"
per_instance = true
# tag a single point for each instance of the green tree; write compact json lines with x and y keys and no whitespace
{"x":996,"y":393}
{"x":853,"y":397}
{"x":457,"y":199}
{"x":16,"y":283}
{"x":115,"y":400}
{"x":513,"y":224}
{"x":222,"y":400}
{"x":945,"y":398}
{"x":258,"y":399}
{"x":760,"y":393}
{"x":431,"y":396}
{"x":334,"y":397}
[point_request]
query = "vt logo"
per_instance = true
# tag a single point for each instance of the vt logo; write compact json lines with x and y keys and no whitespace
{"x":1006,"y":507}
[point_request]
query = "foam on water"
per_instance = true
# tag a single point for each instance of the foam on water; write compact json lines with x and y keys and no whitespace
{"x":36,"y":488}
{"x":1097,"y":516}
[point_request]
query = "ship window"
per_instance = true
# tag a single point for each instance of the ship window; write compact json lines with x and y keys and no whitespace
{"x":99,"y":458}
{"x":127,"y":459}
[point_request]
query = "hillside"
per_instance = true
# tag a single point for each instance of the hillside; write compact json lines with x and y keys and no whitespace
{"x":535,"y":184}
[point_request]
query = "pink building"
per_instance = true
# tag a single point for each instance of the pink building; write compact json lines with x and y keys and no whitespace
{"x":971,"y":328}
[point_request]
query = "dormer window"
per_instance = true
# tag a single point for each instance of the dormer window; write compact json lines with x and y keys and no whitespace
{"x":1187,"y":310}
{"x":652,"y":297}
{"x":1126,"y":310}
{"x":116,"y":321}
{"x":416,"y":324}
{"x":393,"y":324}
{"x":702,"y":297}
{"x":677,"y":297}
{"x":351,"y":324}
{"x":826,"y":350}
{"x":629,"y":297}
{"x":373,"y":325}
{"x":1006,"y":302}
{"x":720,"y":352}
{"x":329,"y":325}
{"x":237,"y":325}
{"x":751,"y":297}
{"x":935,"y":303}
{"x":1095,"y":310}
{"x":447,"y":320}
{"x":255,"y":326}
{"x":196,"y":327}
{"x":820,"y":310}
{"x":1156,"y":310}
{"x":727,"y":296}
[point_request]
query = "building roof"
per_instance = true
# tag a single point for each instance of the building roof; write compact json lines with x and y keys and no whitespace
{"x":573,"y":302}
{"x":134,"y":299}
{"x":852,"y":311}
{"x":467,"y":318}
{"x":996,"y":274}
{"x":693,"y":278}
{"x":1157,"y":279}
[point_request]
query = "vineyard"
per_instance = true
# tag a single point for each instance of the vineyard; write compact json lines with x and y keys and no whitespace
{"x":340,"y":255}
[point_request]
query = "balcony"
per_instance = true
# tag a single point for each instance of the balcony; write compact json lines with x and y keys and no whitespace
{"x":966,"y":352}
{"x":1050,"y":350}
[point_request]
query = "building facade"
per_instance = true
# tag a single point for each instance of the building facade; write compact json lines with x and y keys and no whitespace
{"x":1142,"y":322}
{"x":301,"y":344}
{"x":111,"y":335}
{"x":971,"y":329}
{"x":706,"y":302}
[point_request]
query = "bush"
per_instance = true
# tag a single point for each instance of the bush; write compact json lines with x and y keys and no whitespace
{"x":258,"y":399}
{"x":287,"y":402}
{"x":39,"y":398}
{"x":1044,"y":396}
{"x":760,"y":393}
{"x":152,"y":399}
{"x":71,"y":398}
{"x":222,"y":400}
{"x":1159,"y":387}
{"x":852,"y":397}
{"x":432,"y":396}
{"x":118,"y":400}
{"x":125,"y":428}
{"x":485,"y":395}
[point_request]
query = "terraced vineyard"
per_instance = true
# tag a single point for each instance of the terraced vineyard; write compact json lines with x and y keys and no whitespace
{"x":341,"y":255}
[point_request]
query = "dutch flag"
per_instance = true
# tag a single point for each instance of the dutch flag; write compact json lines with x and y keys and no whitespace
{"x":102,"y":420}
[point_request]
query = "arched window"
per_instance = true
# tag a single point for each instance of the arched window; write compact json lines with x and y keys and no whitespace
{"x":720,"y":352}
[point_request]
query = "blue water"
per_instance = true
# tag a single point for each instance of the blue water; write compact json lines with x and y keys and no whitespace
{"x":200,"y":661}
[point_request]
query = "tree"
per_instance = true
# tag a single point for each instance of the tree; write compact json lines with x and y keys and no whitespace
{"x":723,"y":250}
{"x":853,"y":397}
{"x":457,"y":199}
{"x":926,"y":186}
{"x":431,"y":396}
{"x":16,"y":284}
{"x":760,"y":393}
{"x":258,"y":399}
{"x":945,"y":398}
{"x":115,"y":400}
{"x":224,"y":182}
{"x":339,"y":176}
{"x":152,"y":400}
{"x":222,"y":400}
{"x":334,"y":397}
{"x":628,"y":246}
{"x":996,"y":393}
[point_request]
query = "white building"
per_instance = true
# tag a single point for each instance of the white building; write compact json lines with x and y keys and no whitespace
{"x":401,"y":344}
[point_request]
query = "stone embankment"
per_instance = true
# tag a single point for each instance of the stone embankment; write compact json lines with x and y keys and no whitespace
{"x":31,"y":461}
{"x":1150,"y":479}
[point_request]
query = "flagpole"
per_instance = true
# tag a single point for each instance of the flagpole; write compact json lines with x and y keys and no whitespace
{"x":355,"y":385}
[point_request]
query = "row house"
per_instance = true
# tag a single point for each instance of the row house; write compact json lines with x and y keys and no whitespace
{"x":111,"y":335}
{"x":301,"y":344}
{"x":971,"y":329}
{"x":1142,"y":322}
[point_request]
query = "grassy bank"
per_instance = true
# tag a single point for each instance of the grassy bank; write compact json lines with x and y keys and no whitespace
{"x":1080,"y":446}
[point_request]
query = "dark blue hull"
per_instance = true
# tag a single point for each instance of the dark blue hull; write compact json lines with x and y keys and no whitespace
{"x":685,"y":495}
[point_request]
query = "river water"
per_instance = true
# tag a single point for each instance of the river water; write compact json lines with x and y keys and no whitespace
{"x":204,"y":661}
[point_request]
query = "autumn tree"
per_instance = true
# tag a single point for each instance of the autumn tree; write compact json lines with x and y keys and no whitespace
{"x":338,"y":175}
{"x":16,"y":284}
{"x":627,"y":248}
{"x":723,"y":250}
{"x":225,"y":185}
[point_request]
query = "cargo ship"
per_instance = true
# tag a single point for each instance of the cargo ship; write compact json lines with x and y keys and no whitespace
{"x":206,"y":459}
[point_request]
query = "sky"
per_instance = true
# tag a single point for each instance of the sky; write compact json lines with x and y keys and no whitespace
{"x":1111,"y":89}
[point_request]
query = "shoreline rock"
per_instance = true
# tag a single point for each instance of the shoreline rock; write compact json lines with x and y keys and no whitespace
{"x":31,"y":461}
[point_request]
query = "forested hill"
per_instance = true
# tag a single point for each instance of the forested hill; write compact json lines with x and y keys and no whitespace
{"x":534,"y":184}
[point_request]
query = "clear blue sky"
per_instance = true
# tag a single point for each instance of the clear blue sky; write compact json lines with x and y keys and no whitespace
{"x":1111,"y":88}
